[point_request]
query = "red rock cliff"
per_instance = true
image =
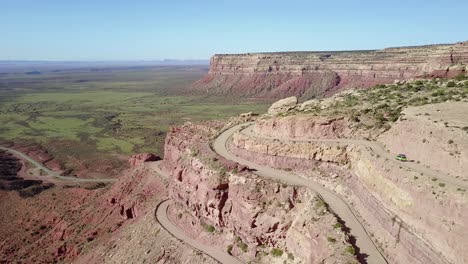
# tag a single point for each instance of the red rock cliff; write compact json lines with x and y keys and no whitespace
{"x":308,"y":74}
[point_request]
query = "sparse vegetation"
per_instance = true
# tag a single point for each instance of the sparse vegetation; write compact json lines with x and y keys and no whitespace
{"x":350,"y":250}
{"x":382,"y":105}
{"x":194,"y":152}
{"x":331,"y":239}
{"x":338,"y":226}
{"x":208,"y":228}
{"x":92,"y":116}
{"x":276,"y":252}
{"x":243,"y":246}
{"x":451,"y":84}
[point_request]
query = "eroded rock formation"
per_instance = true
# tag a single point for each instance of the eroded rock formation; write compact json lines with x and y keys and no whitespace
{"x":259,"y":214}
{"x":309,"y":74}
{"x":413,"y":218}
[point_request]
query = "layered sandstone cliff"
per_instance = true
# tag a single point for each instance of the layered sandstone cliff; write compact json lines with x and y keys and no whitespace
{"x":310,"y":74}
{"x":224,"y":204}
{"x":413,"y":218}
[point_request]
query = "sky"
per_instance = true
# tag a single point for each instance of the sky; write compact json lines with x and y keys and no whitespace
{"x":91,"y":30}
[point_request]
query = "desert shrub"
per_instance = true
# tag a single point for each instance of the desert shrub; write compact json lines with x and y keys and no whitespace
{"x":451,"y":84}
{"x":450,"y":141}
{"x":441,"y":184}
{"x":276,"y":252}
{"x":460,"y":77}
{"x":243,"y":246}
{"x":194,"y":152}
{"x":337,"y":226}
{"x":331,"y":239}
{"x":320,"y":203}
{"x":229,"y":249}
{"x":350,"y":250}
{"x":290,"y":256}
{"x":209,"y":228}
{"x":393,"y":115}
{"x":439,"y":92}
{"x":222,"y":171}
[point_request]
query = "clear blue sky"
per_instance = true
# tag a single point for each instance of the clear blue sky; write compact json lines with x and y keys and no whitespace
{"x":148,"y":30}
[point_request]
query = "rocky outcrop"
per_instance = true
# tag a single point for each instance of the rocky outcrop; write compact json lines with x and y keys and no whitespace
{"x":138,"y":160}
{"x":309,"y":74}
{"x":283,"y":105}
{"x":253,"y":213}
{"x":303,"y":126}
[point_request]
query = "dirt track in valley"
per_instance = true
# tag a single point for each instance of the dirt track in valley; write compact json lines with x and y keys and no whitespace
{"x":50,"y":173}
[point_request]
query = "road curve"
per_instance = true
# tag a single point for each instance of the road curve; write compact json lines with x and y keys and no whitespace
{"x":378,"y":149}
{"x":335,"y":202}
{"x":161,"y":217}
{"x":50,"y":172}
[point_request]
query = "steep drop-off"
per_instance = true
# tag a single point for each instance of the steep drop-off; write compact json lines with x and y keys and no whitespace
{"x":310,"y":74}
{"x":224,"y":204}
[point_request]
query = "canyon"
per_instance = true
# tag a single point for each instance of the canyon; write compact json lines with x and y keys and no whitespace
{"x":312,"y":181}
{"x":222,"y":175}
{"x":318,"y":74}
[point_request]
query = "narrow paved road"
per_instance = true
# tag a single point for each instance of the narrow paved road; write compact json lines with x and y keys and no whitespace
{"x":336,"y":203}
{"x":50,"y":172}
{"x":378,"y":149}
{"x":161,"y":216}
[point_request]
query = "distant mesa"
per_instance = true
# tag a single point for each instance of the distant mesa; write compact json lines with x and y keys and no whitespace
{"x":33,"y":73}
{"x":317,"y":74}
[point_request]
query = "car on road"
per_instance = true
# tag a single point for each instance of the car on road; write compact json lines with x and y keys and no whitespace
{"x":401,"y":157}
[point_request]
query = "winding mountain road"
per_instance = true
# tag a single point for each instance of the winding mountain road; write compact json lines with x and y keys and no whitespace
{"x":161,"y":217}
{"x":375,"y":147}
{"x":335,"y":202}
{"x":50,"y":172}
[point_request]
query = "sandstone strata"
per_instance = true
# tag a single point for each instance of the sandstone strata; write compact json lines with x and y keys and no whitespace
{"x":246,"y":209}
{"x":412,"y":218}
{"x":309,"y":74}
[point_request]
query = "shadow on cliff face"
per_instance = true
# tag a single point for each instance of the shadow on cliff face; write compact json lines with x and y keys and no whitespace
{"x":9,"y":180}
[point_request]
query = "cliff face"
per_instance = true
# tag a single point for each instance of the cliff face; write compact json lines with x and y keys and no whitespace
{"x":251,"y":214}
{"x":412,"y":218}
{"x":309,"y":74}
